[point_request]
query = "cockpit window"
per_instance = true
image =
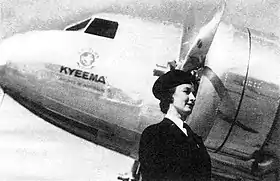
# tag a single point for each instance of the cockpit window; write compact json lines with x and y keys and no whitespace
{"x":78,"y":26}
{"x":102,"y":27}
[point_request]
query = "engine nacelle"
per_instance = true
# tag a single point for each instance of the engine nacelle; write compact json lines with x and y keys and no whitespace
{"x":237,"y":106}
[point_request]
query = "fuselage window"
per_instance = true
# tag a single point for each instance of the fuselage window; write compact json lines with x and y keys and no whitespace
{"x":102,"y":27}
{"x":79,"y":26}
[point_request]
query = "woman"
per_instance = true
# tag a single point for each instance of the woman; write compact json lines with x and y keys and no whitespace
{"x":170,"y":150}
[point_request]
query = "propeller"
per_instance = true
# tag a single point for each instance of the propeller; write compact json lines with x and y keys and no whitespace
{"x":199,"y":46}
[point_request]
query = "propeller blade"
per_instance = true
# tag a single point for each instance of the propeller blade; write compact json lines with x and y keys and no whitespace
{"x":188,"y":33}
{"x":199,"y":48}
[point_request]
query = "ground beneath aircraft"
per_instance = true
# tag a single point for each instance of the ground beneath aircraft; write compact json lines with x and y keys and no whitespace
{"x":32,"y":149}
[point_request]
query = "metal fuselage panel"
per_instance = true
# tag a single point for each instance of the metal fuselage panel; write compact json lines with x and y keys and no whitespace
{"x":236,"y":58}
{"x":110,"y":100}
{"x":82,"y":104}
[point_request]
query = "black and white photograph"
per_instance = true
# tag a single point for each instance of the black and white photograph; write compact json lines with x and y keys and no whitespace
{"x":139,"y":90}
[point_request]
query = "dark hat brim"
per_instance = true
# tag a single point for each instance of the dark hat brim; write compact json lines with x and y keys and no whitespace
{"x":171,"y":80}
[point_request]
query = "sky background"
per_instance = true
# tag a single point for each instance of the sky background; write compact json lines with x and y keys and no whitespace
{"x":25,"y":15}
{"x":32,"y":149}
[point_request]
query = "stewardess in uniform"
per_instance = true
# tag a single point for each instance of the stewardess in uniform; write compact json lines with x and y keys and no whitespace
{"x":170,"y":150}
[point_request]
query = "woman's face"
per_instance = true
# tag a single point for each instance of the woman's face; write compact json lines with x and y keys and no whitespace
{"x":183,"y":99}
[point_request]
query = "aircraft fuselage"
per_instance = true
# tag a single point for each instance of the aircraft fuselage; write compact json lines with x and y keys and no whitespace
{"x":99,"y":88}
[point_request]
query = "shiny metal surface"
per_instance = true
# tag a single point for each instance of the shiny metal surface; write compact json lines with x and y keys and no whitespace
{"x":240,"y":89}
{"x":112,"y":106}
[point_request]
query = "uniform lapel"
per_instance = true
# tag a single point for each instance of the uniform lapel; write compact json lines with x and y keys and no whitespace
{"x":174,"y":129}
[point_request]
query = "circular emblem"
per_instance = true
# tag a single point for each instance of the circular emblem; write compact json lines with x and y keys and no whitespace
{"x":87,"y":59}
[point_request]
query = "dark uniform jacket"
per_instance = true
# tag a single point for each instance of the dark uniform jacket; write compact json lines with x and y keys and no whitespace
{"x":166,"y":153}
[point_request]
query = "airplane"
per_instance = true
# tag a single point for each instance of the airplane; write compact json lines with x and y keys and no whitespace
{"x":94,"y":79}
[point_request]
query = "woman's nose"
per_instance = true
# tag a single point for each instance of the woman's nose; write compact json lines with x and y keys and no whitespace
{"x":191,"y":97}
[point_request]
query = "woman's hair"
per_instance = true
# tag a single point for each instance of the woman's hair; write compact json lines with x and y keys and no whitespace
{"x":167,"y":100}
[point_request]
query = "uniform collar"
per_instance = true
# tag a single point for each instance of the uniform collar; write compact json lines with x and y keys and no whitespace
{"x":177,"y":121}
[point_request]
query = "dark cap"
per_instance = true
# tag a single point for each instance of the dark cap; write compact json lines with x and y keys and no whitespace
{"x":170,"y":80}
